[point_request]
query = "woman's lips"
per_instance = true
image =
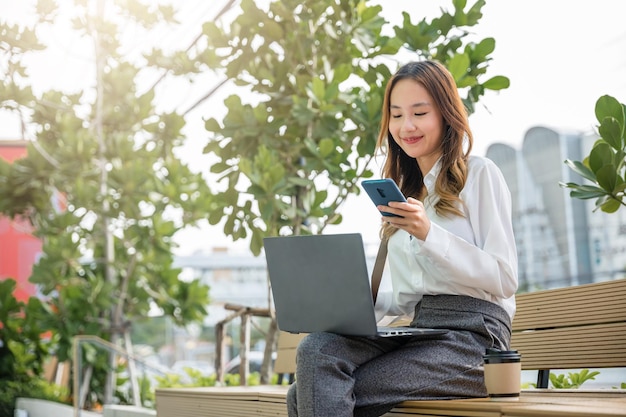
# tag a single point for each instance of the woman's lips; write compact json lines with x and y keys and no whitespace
{"x":411,"y":140}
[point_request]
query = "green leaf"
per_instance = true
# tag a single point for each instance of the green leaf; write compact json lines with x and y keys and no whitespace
{"x":331,"y":92}
{"x":327,"y":146}
{"x":474,"y":14}
{"x":219,"y":167}
{"x":318,"y":89}
{"x":458,"y":66}
{"x":607,"y":177}
{"x":498,"y":82}
{"x":342,"y":72}
{"x":484,"y":48}
{"x":302,"y":182}
{"x":608,"y":106}
{"x":611,"y":205}
{"x":581,"y":169}
{"x":600,"y":156}
{"x":585,"y":192}
{"x":611,"y":131}
{"x":467,"y":81}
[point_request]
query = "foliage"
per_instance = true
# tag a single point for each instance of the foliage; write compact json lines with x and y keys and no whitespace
{"x":197,"y":379}
{"x":23,"y":351}
{"x":151,"y":331}
{"x":146,"y":392}
{"x":101,"y":184}
{"x":605,"y":166}
{"x":316,"y":71}
{"x":11,"y":390}
{"x":573,"y":380}
{"x":22,"y":347}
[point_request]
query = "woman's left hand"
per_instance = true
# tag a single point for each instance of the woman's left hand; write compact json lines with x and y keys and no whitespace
{"x":413,"y":217}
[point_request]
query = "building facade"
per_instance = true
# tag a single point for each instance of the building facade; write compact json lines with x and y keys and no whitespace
{"x":561,"y":241}
{"x":19,"y":248}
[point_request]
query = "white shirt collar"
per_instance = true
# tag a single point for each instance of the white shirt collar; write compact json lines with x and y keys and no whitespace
{"x":431,"y":177}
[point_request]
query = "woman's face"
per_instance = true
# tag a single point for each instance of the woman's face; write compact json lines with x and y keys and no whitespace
{"x":416,"y":123}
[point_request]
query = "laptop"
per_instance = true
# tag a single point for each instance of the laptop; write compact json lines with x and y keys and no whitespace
{"x":320,"y":283}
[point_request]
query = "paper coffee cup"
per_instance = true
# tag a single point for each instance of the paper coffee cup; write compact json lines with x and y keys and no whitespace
{"x":503,"y":373}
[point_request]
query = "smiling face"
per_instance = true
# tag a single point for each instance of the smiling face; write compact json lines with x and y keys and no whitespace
{"x":415,"y":122}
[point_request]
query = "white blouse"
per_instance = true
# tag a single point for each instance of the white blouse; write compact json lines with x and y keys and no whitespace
{"x":473,"y":255}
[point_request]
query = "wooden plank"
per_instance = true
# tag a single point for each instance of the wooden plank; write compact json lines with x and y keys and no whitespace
{"x":617,"y":285}
{"x":441,"y":411}
{"x":563,"y":410}
{"x":289,"y":340}
{"x":586,"y":304}
{"x":285,"y":362}
{"x":222,"y":401}
{"x":286,"y":353}
{"x":598,"y":346}
{"x":531,"y":402}
{"x":602,"y":302}
{"x":542,"y":318}
{"x":582,"y":293}
{"x":573,"y":402}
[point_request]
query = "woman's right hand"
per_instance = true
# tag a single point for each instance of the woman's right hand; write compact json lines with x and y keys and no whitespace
{"x":413,"y":220}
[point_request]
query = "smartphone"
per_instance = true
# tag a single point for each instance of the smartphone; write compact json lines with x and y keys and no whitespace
{"x":382,"y":192}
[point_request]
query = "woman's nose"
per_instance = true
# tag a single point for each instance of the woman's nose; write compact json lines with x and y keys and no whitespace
{"x":408,"y":124}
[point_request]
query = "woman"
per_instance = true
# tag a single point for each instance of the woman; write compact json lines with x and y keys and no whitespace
{"x":451,"y":257}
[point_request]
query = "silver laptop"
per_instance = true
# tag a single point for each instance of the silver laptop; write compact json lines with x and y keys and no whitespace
{"x":320,"y":283}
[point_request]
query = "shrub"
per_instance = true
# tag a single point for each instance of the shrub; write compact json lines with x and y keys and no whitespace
{"x":30,"y":388}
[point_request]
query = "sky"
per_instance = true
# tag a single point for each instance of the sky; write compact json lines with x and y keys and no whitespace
{"x":560,"y":56}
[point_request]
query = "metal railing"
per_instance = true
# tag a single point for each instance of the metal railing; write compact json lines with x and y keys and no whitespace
{"x":80,"y":390}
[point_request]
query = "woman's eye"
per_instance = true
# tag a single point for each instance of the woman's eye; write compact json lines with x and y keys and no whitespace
{"x":396,"y":116}
{"x":420,"y":114}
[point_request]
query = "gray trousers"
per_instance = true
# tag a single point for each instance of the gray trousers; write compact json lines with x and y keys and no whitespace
{"x":345,"y":376}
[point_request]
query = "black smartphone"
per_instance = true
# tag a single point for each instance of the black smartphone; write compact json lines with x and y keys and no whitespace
{"x":382,"y":192}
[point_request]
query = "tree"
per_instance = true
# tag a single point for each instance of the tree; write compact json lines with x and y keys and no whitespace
{"x":605,"y":166}
{"x":289,"y":158}
{"x":109,"y":154}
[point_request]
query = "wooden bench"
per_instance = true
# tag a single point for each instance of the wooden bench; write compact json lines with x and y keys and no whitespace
{"x":574,"y":327}
{"x":285,"y":364}
{"x":559,"y":329}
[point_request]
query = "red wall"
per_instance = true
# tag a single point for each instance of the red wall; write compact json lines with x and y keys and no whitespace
{"x":19,"y":249}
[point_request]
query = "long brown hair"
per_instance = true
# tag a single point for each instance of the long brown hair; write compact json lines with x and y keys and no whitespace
{"x":456,"y":143}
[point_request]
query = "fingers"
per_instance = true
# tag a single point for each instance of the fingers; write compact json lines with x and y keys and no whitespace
{"x":412,"y":200}
{"x":402,"y":209}
{"x":410,"y":205}
{"x":412,"y":217}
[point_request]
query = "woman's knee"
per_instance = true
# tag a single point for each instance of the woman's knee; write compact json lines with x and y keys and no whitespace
{"x":292,"y":400}
{"x":313,"y":344}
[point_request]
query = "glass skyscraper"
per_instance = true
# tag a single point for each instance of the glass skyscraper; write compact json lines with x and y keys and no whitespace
{"x":560,"y":240}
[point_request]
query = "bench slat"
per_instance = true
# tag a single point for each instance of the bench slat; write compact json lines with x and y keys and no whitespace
{"x":285,"y":362}
{"x":565,"y":318}
{"x":597,"y":346}
{"x":532,"y":403}
{"x":289,"y":340}
{"x":603,"y":302}
{"x":286,"y":352}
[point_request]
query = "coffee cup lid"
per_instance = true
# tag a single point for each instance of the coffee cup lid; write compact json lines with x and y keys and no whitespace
{"x":493,"y":354}
{"x":494,"y":351}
